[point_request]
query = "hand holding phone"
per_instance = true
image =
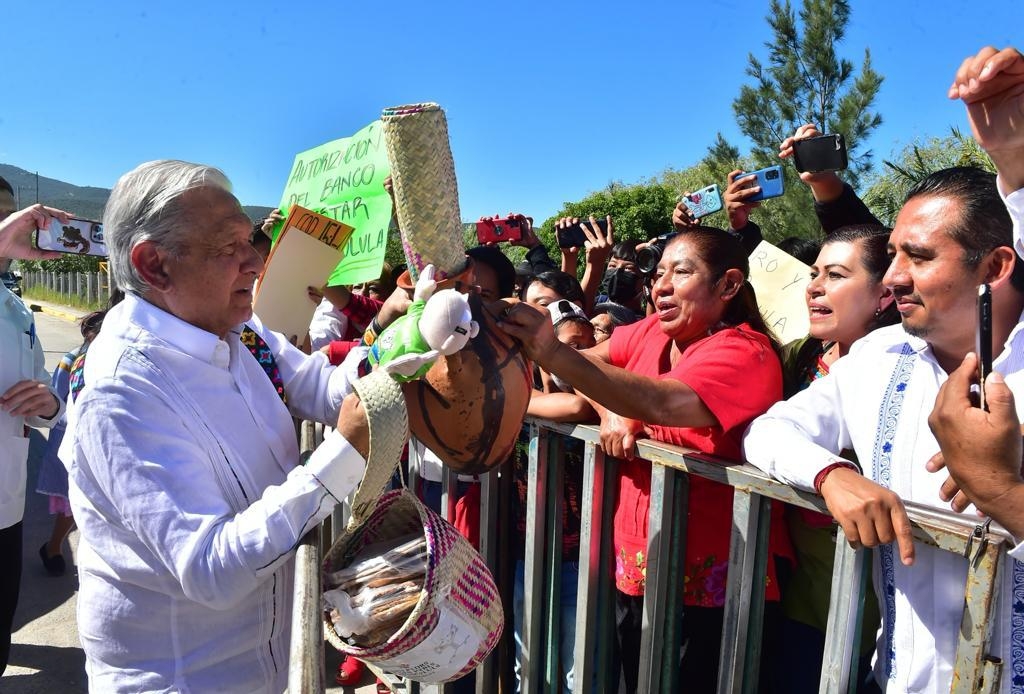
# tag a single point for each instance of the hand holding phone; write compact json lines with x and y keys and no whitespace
{"x":500,"y":229}
{"x":571,"y":235}
{"x":79,"y":236}
{"x":704,"y":201}
{"x":983,"y":340}
{"x":820,"y":154}
{"x":769,"y":180}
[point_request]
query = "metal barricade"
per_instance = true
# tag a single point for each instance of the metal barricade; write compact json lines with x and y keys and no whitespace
{"x":754,"y":492}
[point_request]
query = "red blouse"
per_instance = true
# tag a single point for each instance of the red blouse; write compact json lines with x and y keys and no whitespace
{"x":737,"y":375}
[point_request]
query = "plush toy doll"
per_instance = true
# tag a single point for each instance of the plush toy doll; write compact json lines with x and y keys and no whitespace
{"x":435,"y":324}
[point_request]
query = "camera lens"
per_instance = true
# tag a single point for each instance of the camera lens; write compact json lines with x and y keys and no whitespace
{"x":647,"y":258}
{"x":772,"y":175}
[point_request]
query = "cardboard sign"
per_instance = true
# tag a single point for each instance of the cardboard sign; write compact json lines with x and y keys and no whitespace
{"x":344,"y":180}
{"x":307,"y":251}
{"x":780,"y":281}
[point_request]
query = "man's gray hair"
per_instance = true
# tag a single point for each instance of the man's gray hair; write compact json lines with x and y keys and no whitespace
{"x":145,"y":206}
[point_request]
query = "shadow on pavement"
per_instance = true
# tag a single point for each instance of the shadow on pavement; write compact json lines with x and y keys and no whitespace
{"x":40,"y":592}
{"x":60,"y":670}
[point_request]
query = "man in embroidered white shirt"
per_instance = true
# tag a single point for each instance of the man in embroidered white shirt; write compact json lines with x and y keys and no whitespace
{"x":952,"y":234}
{"x":182,"y":457}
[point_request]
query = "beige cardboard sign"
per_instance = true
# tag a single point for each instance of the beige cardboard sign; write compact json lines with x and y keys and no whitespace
{"x":780,"y":281}
{"x":306,"y":253}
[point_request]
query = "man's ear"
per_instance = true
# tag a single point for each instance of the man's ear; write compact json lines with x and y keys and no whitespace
{"x":886,"y":300}
{"x":148,"y":260}
{"x":999,"y":264}
{"x":732,"y":280}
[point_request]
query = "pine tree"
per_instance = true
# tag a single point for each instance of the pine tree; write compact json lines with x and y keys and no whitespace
{"x":805,"y":81}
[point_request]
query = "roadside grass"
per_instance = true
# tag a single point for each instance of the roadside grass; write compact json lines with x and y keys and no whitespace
{"x":53,"y":297}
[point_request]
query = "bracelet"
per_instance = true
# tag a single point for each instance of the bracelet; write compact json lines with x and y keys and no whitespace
{"x":819,"y":479}
{"x":373,"y":331}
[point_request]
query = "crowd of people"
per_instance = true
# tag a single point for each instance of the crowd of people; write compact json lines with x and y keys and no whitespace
{"x":183,"y":472}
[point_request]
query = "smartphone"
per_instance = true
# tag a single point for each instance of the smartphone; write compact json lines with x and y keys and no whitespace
{"x":983,"y":341}
{"x":573,"y":236}
{"x":81,"y":236}
{"x":771,"y":181}
{"x":500,"y":230}
{"x":704,"y":201}
{"x":818,"y":154}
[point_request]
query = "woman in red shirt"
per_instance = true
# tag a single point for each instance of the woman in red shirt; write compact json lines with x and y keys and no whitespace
{"x":694,"y":374}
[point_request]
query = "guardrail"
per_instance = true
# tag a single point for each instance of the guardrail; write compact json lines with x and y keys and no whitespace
{"x":90,"y":286}
{"x":753,"y":494}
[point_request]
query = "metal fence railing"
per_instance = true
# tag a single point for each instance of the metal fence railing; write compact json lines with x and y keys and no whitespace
{"x":754,"y":493}
{"x":89,"y":286}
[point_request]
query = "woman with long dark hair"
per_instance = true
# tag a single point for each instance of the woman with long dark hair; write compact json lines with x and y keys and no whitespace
{"x":694,"y":374}
{"x":845,"y":301}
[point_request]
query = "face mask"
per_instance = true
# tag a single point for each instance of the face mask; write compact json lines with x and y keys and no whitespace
{"x":622,"y":285}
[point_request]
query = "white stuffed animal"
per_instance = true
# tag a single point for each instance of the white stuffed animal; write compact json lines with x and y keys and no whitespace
{"x":435,"y":324}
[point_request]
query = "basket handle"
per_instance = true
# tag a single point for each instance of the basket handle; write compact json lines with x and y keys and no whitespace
{"x":388,"y":422}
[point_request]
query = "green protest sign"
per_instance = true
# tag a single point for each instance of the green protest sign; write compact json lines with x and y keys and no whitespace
{"x":344,"y":180}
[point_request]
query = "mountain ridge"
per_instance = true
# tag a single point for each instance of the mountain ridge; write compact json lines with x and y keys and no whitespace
{"x":86,"y":202}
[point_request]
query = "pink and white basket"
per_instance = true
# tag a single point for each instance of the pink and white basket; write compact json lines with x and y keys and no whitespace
{"x":458,"y":618}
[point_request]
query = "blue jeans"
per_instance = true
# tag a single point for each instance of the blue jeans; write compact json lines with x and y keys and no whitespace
{"x":567,"y":604}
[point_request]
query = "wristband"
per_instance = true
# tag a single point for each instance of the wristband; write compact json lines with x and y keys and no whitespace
{"x":819,"y":479}
{"x":373,"y":331}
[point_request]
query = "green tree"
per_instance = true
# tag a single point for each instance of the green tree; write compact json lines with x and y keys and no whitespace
{"x":886,"y":195}
{"x":803,"y":80}
{"x":640,"y":211}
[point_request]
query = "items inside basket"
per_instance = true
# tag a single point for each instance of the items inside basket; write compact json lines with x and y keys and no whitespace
{"x":369,"y":599}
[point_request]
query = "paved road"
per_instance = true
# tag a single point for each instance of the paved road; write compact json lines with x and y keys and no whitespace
{"x":45,"y":654}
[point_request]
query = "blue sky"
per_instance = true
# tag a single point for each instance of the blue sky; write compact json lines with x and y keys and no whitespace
{"x":546,"y":101}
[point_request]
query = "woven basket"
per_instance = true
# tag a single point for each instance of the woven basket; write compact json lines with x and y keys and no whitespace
{"x":458,"y":618}
{"x":426,"y":194}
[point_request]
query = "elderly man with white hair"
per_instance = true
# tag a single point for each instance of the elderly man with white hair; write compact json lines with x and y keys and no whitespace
{"x":183,"y":462}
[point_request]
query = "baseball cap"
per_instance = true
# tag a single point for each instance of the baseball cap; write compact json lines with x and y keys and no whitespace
{"x":563,"y":310}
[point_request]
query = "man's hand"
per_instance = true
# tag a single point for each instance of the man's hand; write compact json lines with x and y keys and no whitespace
{"x":271,"y":221}
{"x":980,"y":450}
{"x":30,"y":398}
{"x":570,"y":254}
{"x":598,"y":245}
{"x":527,"y":238}
{"x":991,"y":84}
{"x":353,"y":426}
{"x":619,"y":434}
{"x":826,"y":185}
{"x":16,"y":232}
{"x":394,"y":307}
{"x":735,"y":199}
{"x":682,"y":218}
{"x":315,"y":294}
{"x":869,"y":514}
{"x":532,"y":327}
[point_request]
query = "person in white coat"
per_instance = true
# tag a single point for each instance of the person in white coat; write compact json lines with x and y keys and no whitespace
{"x":183,"y":465}
{"x":25,"y":400}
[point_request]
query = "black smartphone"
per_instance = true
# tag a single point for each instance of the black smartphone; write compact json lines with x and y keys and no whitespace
{"x":573,"y":236}
{"x":819,"y":154}
{"x":80,"y":236}
{"x":983,"y":341}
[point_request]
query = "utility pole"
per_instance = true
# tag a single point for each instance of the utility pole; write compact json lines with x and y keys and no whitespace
{"x":37,"y":186}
